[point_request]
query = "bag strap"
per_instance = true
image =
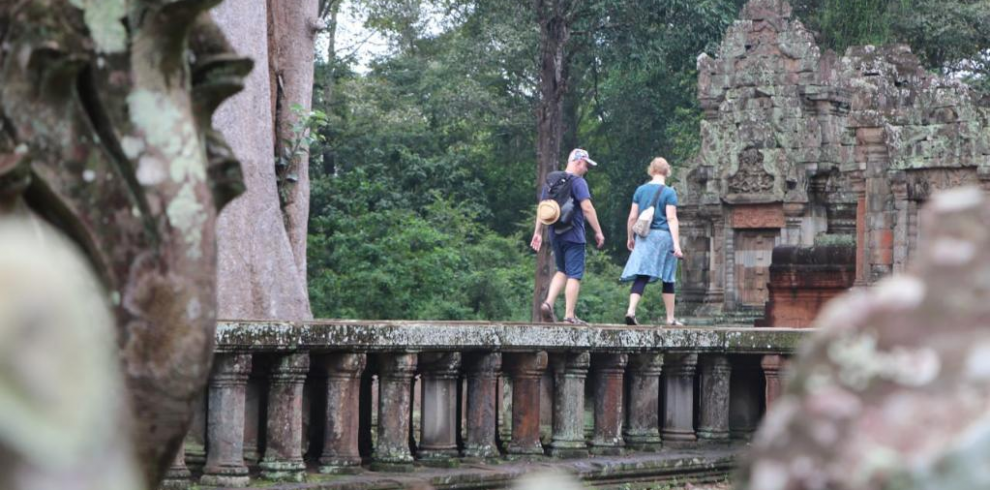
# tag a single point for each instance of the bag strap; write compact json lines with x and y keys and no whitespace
{"x":656,"y":197}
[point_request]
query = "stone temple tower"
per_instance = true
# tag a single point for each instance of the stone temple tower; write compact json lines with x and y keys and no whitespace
{"x":802,"y":147}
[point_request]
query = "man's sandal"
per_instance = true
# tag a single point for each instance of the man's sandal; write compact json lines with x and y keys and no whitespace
{"x":547,"y":314}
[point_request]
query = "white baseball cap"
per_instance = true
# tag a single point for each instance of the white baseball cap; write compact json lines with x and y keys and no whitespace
{"x":579,"y":154}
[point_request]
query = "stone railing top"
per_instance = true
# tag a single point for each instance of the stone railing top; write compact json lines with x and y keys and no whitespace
{"x":335,"y":335}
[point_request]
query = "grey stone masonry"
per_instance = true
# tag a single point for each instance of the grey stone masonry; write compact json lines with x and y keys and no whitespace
{"x":283,"y":453}
{"x":482,"y":381}
{"x":395,"y":375}
{"x":178,"y":476}
{"x":607,"y":373}
{"x":340,"y":439}
{"x":713,"y":424}
{"x":225,"y":422}
{"x":526,"y":370}
{"x":801,"y":146}
{"x":570,"y":370}
{"x":362,"y":385}
{"x":438,"y":439}
{"x":393,"y":336}
{"x":678,"y":425}
{"x":642,"y":429}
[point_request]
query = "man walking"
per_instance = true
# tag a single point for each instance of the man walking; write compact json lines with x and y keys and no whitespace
{"x":568,"y":246}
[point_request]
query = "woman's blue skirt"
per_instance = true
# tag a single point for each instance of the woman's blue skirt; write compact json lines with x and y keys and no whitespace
{"x":652,"y":256}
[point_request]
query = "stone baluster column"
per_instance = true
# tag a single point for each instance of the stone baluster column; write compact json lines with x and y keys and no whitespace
{"x":526,"y":370}
{"x":283,"y":449}
{"x":858,"y":182}
{"x":714,"y":421}
{"x":607,"y":373}
{"x":177,"y":477}
{"x":195,"y":441}
{"x":225,"y":422}
{"x":772,"y":365}
{"x":745,"y":394}
{"x":395,"y":375}
{"x":341,"y":452}
{"x":642,"y":429}
{"x":482,"y":399}
{"x":570,"y":370}
{"x":715,"y":296}
{"x":438,"y":418}
{"x":678,"y":427}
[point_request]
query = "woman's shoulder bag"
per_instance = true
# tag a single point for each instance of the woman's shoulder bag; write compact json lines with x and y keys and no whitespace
{"x":645,"y":219}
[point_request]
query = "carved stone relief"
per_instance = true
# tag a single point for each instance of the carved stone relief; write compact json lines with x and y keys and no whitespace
{"x":921,"y":184}
{"x":751,"y":178}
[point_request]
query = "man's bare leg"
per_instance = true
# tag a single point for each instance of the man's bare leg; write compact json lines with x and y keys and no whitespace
{"x":571,"y":296}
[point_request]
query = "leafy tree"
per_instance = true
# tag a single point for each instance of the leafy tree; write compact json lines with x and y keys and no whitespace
{"x":948,"y":35}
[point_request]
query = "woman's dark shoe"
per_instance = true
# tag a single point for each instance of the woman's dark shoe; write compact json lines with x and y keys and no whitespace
{"x":546,"y":313}
{"x":575,"y":321}
{"x":631,"y":320}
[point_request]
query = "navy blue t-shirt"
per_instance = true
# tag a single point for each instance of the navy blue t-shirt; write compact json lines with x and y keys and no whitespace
{"x":580,"y":192}
{"x":644,"y":196}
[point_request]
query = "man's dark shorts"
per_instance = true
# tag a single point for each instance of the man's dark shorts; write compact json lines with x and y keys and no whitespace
{"x":569,"y":257}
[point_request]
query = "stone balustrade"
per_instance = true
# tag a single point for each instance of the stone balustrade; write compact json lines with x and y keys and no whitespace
{"x":359,"y":396}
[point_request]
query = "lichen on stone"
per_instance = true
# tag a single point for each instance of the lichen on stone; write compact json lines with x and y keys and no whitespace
{"x":104,"y":18}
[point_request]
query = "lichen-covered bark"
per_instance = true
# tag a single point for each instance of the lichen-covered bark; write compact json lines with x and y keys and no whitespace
{"x":291,"y":50}
{"x":105,"y":110}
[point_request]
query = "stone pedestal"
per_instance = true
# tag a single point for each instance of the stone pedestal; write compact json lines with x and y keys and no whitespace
{"x":526,"y":370}
{"x":283,"y":450}
{"x":642,"y":429}
{"x":177,"y":477}
{"x":772,"y":365}
{"x":225,"y":422}
{"x":678,"y":427}
{"x":341,"y":452}
{"x":713,"y":425}
{"x":438,"y":422}
{"x":607,"y":375}
{"x":482,"y":393}
{"x":570,"y":370}
{"x":803,"y":280}
{"x":395,"y":375}
{"x":745,"y":389}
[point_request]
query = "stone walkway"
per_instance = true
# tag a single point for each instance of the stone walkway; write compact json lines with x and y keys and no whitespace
{"x":640,"y":470}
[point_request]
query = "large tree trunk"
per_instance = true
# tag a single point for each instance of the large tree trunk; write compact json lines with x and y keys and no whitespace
{"x":552,"y":16}
{"x":292,"y":31}
{"x":259,"y":273}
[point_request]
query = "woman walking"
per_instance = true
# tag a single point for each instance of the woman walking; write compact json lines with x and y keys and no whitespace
{"x":654,"y":257}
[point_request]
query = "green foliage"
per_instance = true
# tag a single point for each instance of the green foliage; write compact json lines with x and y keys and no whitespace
{"x":948,"y":35}
{"x":423,"y":202}
{"x":423,"y":176}
{"x":642,"y":81}
{"x":306,"y":137}
{"x":395,"y":263}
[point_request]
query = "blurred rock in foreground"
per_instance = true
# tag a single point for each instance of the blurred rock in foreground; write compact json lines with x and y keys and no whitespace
{"x":894,"y":391}
{"x":62,"y":401}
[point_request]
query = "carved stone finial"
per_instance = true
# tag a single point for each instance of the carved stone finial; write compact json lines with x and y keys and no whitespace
{"x":105,"y":133}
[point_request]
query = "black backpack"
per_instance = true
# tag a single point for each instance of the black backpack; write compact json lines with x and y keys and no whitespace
{"x":558,"y":185}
